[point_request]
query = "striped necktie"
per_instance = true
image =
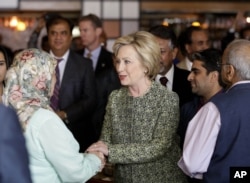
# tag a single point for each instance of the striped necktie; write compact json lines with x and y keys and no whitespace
{"x":89,"y":55}
{"x":55,"y":98}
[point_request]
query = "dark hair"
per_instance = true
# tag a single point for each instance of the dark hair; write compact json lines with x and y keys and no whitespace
{"x":8,"y":55}
{"x":211,"y":59}
{"x":164,"y":32}
{"x":185,"y":37}
{"x":56,"y":19}
{"x":243,"y":30}
{"x":96,"y":21}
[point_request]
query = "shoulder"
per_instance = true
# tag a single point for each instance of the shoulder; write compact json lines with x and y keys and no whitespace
{"x":104,"y":51}
{"x":42,"y":116}
{"x":180,"y":71}
{"x":106,"y":57}
{"x":118,"y":92}
{"x":78,"y":60}
{"x":8,"y":117}
{"x":6,"y":113}
{"x":4,"y":110}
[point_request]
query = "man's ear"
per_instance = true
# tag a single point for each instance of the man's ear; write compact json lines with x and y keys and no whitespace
{"x":99,"y":31}
{"x":230,"y":73}
{"x":215,"y":76}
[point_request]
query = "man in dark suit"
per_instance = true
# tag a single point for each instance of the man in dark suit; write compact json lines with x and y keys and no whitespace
{"x":93,"y":40}
{"x":76,"y":98}
{"x":14,"y":162}
{"x":176,"y":78}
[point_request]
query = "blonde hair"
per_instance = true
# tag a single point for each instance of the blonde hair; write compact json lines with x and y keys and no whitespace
{"x":146,"y":47}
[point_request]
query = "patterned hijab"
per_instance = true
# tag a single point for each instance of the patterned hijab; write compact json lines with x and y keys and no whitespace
{"x":28,"y":83}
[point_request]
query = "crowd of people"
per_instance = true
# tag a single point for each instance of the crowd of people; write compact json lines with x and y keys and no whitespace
{"x":65,"y":112}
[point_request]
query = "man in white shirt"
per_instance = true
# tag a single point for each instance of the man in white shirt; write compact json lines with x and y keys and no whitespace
{"x":217,"y":138}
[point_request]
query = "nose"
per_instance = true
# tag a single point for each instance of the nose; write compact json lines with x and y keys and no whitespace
{"x":119,"y":67}
{"x":190,"y":76}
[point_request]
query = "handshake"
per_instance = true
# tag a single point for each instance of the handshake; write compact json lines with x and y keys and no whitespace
{"x":100,"y":149}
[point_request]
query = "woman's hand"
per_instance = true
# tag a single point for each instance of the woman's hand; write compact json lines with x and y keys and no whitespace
{"x":101,"y":156}
{"x":99,"y":146}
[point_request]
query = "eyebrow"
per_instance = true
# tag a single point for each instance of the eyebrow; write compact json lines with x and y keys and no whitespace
{"x":195,"y":69}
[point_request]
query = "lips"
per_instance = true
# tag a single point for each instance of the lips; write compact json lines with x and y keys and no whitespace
{"x":122,"y":77}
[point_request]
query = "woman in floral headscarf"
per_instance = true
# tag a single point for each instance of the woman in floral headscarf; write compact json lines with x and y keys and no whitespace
{"x":54,"y":153}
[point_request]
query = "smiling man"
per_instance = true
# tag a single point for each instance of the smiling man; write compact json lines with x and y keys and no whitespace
{"x":206,"y":82}
{"x":217,"y":138}
{"x":75,"y":96}
{"x":205,"y":79}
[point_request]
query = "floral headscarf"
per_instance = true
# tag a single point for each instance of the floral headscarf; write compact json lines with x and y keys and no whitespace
{"x":28,"y":83}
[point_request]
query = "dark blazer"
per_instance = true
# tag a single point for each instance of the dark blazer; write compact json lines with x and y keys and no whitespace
{"x":14,"y":163}
{"x":182,"y":86}
{"x":106,"y":80}
{"x":104,"y":62}
{"x":77,"y":97}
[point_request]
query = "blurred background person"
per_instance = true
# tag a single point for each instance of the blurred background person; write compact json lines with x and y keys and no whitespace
{"x":14,"y":156}
{"x":139,"y":131}
{"x":76,"y":44}
{"x":38,"y":33}
{"x":93,"y":38}
{"x":172,"y":77}
{"x":45,"y":43}
{"x":5,"y":62}
{"x":192,"y":39}
{"x":74,"y":97}
{"x":53,"y":151}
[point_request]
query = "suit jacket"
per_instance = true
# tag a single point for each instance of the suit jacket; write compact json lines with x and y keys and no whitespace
{"x":106,"y":80}
{"x":104,"y":62}
{"x":182,"y":86}
{"x":77,"y":97}
{"x":14,"y":163}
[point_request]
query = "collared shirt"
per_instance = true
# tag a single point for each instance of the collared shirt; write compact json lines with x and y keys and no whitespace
{"x":94,"y":55}
{"x":188,"y":64}
{"x":62,"y":64}
{"x":200,"y":140}
{"x":170,"y":76}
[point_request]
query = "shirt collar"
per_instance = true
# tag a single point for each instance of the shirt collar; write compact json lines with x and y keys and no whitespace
{"x":64,"y":57}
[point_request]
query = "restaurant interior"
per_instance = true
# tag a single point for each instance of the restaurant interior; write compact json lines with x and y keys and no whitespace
{"x":18,"y":19}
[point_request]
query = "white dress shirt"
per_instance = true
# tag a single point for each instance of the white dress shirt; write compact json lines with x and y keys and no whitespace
{"x":200,"y":140}
{"x":94,"y":55}
{"x":62,"y":64}
{"x":170,"y":76}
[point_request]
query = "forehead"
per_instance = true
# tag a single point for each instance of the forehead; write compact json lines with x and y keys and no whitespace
{"x":126,"y":50}
{"x":197,"y":64}
{"x":1,"y":56}
{"x":60,"y":26}
{"x":199,"y":35}
{"x":86,"y":23}
{"x":164,"y":43}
